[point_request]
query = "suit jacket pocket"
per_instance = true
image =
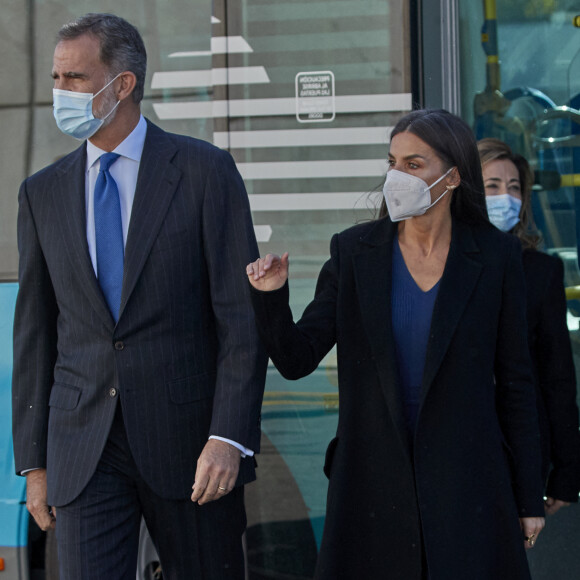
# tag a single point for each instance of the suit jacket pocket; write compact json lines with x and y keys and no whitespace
{"x":64,"y":397}
{"x":328,"y":458}
{"x":192,"y":388}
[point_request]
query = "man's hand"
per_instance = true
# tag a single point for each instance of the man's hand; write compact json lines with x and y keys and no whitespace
{"x":531,"y":528}
{"x":551,"y":505}
{"x":36,"y":499}
{"x":217,"y":471}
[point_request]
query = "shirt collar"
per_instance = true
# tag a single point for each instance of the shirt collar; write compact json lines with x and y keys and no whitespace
{"x":131,"y":147}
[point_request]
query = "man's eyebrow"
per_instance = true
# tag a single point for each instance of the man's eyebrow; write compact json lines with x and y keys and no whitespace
{"x":69,"y":75}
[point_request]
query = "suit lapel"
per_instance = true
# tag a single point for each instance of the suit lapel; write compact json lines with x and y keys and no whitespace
{"x":459,"y":279}
{"x":373,"y":277}
{"x":69,"y":194}
{"x":156,"y":184}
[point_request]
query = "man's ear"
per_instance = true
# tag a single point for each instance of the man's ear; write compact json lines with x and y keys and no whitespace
{"x":125,"y":85}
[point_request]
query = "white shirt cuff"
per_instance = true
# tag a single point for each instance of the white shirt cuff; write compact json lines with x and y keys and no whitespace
{"x":245,"y":451}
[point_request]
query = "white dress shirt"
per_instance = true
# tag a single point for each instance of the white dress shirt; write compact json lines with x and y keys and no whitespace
{"x":124,"y":171}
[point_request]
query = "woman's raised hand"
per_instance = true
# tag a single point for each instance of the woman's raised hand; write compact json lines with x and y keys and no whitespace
{"x":269,"y":273}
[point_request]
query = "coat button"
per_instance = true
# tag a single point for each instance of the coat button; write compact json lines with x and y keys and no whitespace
{"x":112,"y":392}
{"x":119,"y":345}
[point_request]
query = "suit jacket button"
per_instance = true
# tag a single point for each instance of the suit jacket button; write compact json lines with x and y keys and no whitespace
{"x":112,"y":392}
{"x":119,"y":345}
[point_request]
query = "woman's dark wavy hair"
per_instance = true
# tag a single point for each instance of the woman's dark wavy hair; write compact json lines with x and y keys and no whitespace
{"x":454,"y":143}
{"x":491,"y":149}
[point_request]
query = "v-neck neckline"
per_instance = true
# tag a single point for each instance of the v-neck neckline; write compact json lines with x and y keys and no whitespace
{"x":397,"y":249}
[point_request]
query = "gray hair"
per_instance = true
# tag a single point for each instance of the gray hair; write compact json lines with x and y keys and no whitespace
{"x":122,"y":48}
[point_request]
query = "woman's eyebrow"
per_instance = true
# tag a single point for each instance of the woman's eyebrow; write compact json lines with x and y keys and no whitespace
{"x":412,"y":156}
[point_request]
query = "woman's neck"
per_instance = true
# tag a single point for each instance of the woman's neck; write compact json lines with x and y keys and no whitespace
{"x":426,"y":233}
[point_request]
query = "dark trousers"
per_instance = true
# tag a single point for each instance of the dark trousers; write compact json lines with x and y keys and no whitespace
{"x":98,"y":532}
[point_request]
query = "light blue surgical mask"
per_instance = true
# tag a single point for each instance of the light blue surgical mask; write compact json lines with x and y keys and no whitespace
{"x":73,"y":112}
{"x":503,"y":210}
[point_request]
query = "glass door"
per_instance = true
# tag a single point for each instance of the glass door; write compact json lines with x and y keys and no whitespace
{"x":303,"y":94}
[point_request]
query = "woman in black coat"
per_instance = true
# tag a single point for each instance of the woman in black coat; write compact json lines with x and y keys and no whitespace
{"x":508,"y":184}
{"x":435,"y":468}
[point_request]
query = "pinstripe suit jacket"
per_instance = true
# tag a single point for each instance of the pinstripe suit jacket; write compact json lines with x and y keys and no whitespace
{"x":183,"y":359}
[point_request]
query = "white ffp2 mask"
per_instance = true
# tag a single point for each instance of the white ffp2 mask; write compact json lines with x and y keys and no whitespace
{"x":407,"y":195}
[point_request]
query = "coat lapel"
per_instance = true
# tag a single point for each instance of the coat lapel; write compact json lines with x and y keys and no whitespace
{"x":156,"y":184}
{"x":373,"y":276}
{"x":70,"y":199}
{"x":459,"y":279}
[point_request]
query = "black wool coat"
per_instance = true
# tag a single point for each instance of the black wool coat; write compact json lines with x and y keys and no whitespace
{"x":554,"y":374}
{"x":452,"y":493}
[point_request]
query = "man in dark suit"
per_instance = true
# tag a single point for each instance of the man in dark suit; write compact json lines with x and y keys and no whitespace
{"x":137,"y":368}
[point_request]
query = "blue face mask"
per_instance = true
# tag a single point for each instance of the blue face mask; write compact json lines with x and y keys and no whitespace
{"x":73,"y":112}
{"x":503,"y":211}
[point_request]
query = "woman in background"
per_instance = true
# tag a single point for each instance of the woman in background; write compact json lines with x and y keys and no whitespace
{"x":435,"y":468}
{"x":508,"y":185}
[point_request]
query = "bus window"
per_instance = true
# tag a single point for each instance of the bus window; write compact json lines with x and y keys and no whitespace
{"x":520,"y":82}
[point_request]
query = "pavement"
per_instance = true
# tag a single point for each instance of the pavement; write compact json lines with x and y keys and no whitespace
{"x":556,"y":555}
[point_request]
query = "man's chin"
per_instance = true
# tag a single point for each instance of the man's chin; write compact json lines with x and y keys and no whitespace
{"x":99,"y":132}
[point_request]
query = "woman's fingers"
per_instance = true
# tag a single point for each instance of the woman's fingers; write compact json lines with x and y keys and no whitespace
{"x":253,"y":269}
{"x":285,"y":261}
{"x":267,"y":263}
{"x":259,"y":268}
{"x":552,"y":505}
{"x":268,"y":273}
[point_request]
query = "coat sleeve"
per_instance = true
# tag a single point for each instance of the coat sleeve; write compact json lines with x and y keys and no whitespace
{"x":229,"y":245}
{"x":516,"y":403}
{"x":35,"y":342}
{"x":557,"y":382}
{"x":297,"y":348}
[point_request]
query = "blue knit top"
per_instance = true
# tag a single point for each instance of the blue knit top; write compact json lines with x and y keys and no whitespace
{"x":412,"y":310}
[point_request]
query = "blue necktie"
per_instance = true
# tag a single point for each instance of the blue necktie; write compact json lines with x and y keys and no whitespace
{"x":109,"y":235}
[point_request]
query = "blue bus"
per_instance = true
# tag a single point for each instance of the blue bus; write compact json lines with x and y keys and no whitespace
{"x":14,"y":527}
{"x":303,"y":93}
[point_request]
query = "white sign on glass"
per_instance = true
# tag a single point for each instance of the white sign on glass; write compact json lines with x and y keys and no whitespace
{"x":315,"y":97}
